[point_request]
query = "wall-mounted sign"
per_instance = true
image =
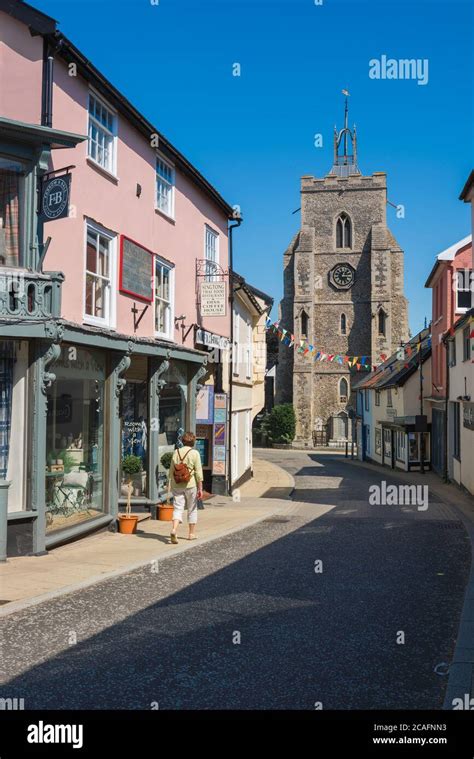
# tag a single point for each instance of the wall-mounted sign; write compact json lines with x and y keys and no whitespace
{"x":55,"y":198}
{"x":213,"y":298}
{"x":136,"y":270}
{"x":219,"y":435}
{"x":210,"y":340}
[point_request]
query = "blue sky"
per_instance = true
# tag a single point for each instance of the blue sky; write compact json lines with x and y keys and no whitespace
{"x":253,"y":136}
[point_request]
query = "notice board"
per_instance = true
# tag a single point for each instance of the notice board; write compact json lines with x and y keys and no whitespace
{"x":136,"y":270}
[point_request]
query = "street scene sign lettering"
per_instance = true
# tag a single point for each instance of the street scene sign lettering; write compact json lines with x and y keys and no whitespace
{"x":55,"y":198}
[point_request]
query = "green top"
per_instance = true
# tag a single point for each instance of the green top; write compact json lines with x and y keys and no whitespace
{"x":193,"y":462}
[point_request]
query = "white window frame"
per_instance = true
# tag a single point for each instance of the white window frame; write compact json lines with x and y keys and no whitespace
{"x":208,"y":230}
{"x":468,"y":287}
{"x":248,"y":440}
{"x":165,"y":264}
{"x":108,"y":321}
{"x":235,"y":446}
{"x":248,"y":352}
{"x":112,"y":170}
{"x":171,"y":185}
{"x":236,"y":345}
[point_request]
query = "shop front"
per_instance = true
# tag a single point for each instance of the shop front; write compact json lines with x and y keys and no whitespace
{"x":80,"y":418}
{"x":75,"y":438}
{"x":212,"y":412}
{"x":405,"y":445}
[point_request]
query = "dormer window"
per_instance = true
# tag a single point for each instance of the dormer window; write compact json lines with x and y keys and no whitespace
{"x":343,"y":232}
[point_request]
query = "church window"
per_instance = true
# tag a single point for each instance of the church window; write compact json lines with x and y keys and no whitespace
{"x":343,"y":232}
{"x":343,"y":390}
{"x":343,"y":324}
{"x":382,"y":319}
{"x":304,"y":324}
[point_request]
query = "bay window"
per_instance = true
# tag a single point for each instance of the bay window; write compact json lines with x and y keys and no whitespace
{"x":11,"y":204}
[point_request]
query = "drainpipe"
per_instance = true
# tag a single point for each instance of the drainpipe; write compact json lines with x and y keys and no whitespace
{"x":421,"y":434}
{"x":446,"y":408}
{"x":238,"y":222}
{"x":47,"y":85}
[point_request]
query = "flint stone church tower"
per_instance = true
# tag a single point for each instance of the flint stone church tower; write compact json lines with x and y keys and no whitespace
{"x":343,"y":292}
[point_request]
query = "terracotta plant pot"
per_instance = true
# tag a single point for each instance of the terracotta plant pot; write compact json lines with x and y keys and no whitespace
{"x":128,"y":523}
{"x":165,"y":513}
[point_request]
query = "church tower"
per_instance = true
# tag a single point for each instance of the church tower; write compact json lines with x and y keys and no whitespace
{"x":343,"y":291}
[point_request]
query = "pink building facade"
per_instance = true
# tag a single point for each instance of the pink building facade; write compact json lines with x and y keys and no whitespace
{"x":102,"y":313}
{"x":452,"y":296}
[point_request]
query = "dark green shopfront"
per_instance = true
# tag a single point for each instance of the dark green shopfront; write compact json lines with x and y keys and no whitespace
{"x":78,"y":405}
{"x":81,"y":405}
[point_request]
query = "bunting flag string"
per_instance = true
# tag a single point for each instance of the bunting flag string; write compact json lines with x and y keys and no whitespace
{"x":406,"y":354}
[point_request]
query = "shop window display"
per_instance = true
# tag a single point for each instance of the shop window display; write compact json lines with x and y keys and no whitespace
{"x":75,"y":439}
{"x":172,"y":416}
{"x":134,"y":415}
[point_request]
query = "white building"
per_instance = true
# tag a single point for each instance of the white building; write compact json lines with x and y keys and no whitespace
{"x":460,"y":346}
{"x":250,"y":310}
{"x":393,"y":421}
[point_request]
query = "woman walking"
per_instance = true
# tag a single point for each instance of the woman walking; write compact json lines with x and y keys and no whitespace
{"x":185,"y":484}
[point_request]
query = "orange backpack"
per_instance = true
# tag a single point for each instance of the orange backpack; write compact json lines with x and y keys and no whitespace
{"x":181,"y":472}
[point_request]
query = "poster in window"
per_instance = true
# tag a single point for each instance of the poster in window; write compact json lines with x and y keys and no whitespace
{"x":202,"y":446}
{"x":205,"y":405}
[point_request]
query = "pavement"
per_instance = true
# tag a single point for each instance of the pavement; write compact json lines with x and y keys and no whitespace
{"x":28,"y":580}
{"x":325,"y":601}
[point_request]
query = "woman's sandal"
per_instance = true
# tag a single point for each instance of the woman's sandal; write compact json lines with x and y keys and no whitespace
{"x":174,"y":538}
{"x":192,"y":537}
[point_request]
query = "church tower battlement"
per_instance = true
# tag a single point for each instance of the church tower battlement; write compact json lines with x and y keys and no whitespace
{"x":343,"y":290}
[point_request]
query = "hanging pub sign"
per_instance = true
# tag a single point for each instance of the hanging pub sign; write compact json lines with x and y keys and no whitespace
{"x":55,"y":198}
{"x":213,"y":298}
{"x":136,"y":270}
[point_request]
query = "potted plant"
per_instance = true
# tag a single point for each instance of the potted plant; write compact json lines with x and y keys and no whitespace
{"x":165,"y":510}
{"x":132,"y":472}
{"x":128,"y":521}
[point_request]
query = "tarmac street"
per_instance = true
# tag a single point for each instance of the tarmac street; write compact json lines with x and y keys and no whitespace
{"x":327,"y":601}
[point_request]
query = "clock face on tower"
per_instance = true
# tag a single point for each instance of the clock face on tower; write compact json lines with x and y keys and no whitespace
{"x":342,"y":276}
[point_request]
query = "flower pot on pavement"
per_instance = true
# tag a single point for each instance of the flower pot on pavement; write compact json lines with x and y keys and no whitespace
{"x":127,"y":523}
{"x":165,"y":512}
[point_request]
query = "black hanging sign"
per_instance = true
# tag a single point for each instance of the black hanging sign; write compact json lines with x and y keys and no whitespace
{"x":55,"y":198}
